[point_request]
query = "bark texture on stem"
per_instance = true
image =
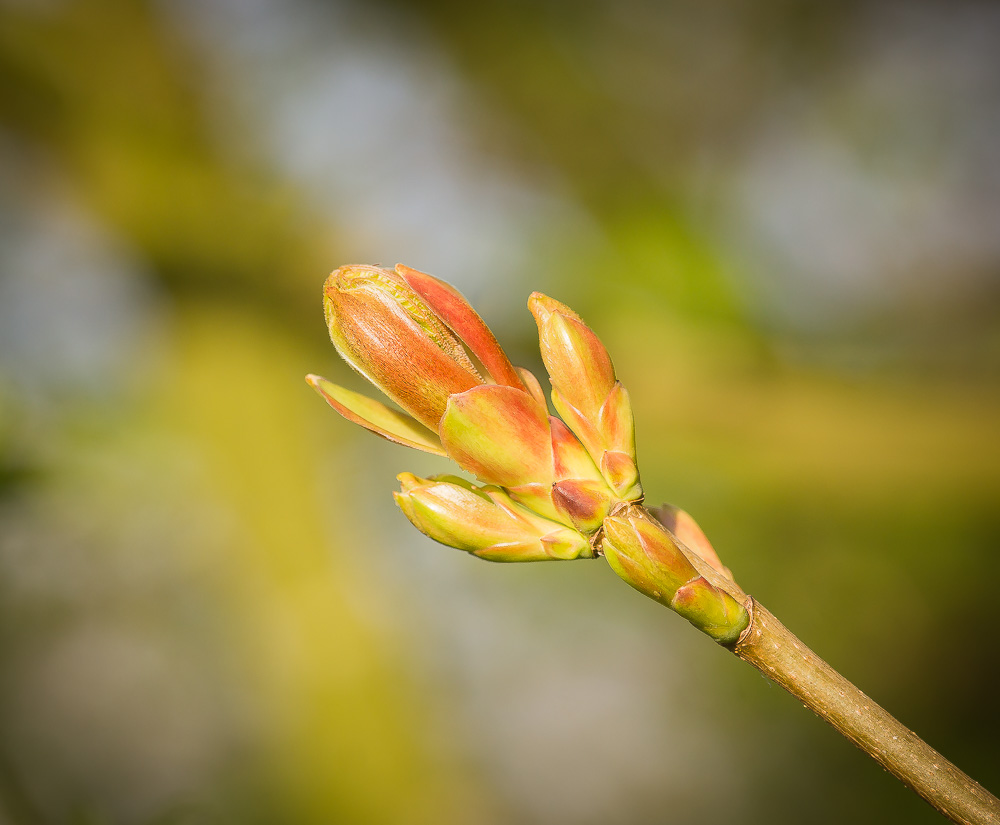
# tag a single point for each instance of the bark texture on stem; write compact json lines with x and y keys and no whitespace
{"x":778,"y":654}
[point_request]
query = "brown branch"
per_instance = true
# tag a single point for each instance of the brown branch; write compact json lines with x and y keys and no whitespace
{"x":771,"y":648}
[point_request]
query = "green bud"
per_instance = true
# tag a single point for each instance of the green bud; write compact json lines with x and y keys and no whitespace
{"x":647,"y":558}
{"x":485,"y":521}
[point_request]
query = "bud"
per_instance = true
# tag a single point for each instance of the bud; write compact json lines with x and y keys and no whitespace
{"x":555,"y":489}
{"x":382,"y":328}
{"x":408,"y":333}
{"x":586,"y":393}
{"x":485,"y":521}
{"x":646,"y":557}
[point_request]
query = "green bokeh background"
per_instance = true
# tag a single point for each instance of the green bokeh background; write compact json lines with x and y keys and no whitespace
{"x":781,"y":218}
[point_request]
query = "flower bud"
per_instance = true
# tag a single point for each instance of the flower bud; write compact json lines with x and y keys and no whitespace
{"x":485,"y":521}
{"x":586,"y":393}
{"x":407,"y":333}
{"x":577,"y":362}
{"x":383,"y":329}
{"x":416,"y":338}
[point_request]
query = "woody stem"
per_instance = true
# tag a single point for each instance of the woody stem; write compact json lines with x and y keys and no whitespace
{"x":778,"y":654}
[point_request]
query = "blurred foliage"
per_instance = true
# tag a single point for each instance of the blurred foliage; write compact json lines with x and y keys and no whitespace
{"x":111,"y":96}
{"x":209,"y":610}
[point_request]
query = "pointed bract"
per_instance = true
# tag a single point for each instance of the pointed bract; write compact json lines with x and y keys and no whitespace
{"x":377,"y":417}
{"x":566,"y":544}
{"x":536,"y":496}
{"x":678,"y":522}
{"x":533,"y":386}
{"x":571,"y":458}
{"x":620,"y":472}
{"x":616,"y":421}
{"x":584,"y":428}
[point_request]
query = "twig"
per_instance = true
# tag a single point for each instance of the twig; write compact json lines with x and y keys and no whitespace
{"x":771,"y":648}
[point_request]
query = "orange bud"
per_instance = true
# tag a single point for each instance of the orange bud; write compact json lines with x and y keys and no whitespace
{"x":451,"y":307}
{"x":385,"y":331}
{"x":576,"y":360}
{"x":419,"y":341}
{"x":586,"y":393}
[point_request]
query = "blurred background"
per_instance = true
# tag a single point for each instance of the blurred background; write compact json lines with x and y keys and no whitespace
{"x":783,"y":219}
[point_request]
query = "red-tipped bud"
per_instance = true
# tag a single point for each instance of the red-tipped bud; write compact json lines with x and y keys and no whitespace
{"x":576,"y":360}
{"x":386,"y":331}
{"x":586,"y":393}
